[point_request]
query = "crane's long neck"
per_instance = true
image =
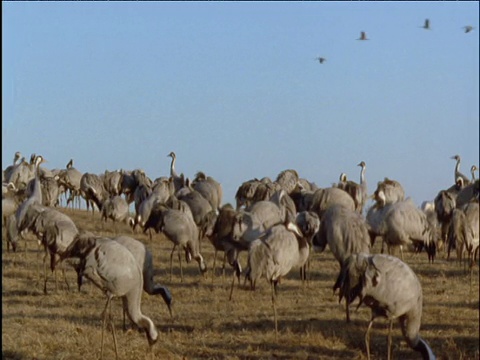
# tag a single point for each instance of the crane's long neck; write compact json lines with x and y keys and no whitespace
{"x":37,"y":189}
{"x":303,"y":250}
{"x":173,"y":173}
{"x":473,"y":175}
{"x":423,"y":348}
{"x":16,"y":158}
{"x":132,"y":305}
{"x":457,"y":167}
{"x":362,"y":175}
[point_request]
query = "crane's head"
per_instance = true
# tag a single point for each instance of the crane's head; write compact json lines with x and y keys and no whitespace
{"x":39,"y":160}
{"x":357,"y":272}
{"x":362,"y":164}
{"x":172,"y":155}
{"x":343,"y":177}
{"x":17,"y":156}
{"x":456,"y":157}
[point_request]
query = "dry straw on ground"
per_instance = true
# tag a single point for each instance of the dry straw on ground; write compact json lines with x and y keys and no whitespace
{"x":206,"y":325}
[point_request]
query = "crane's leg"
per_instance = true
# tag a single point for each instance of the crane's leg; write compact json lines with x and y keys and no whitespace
{"x":113,"y":330}
{"x":389,"y":343}
{"x":231,"y":288}
{"x":347,"y":309}
{"x":56,"y":280}
{"x":367,"y":338}
{"x":105,"y":313}
{"x":25,"y":254}
{"x":223,"y":265}
{"x":180,"y":261}
{"x":45,"y":274}
{"x":214,"y":261}
{"x":171,"y":261}
{"x":65,"y":276}
{"x":274,"y":308}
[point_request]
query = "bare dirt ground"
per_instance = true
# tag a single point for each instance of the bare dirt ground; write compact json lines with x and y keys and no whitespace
{"x":206,"y":325}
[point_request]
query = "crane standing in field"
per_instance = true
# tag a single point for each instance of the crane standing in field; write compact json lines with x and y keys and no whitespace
{"x":274,"y":254}
{"x":391,"y":289}
{"x":114,"y":270}
{"x":458,"y":174}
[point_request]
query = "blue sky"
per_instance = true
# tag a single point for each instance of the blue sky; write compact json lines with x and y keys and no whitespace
{"x":234,"y":89}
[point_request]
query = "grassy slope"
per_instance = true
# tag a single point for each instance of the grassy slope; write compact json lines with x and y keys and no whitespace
{"x":67,"y":324}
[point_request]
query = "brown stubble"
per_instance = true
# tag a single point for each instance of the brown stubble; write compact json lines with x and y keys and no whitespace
{"x":206,"y":325}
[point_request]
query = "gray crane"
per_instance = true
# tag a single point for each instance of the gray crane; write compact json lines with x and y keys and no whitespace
{"x":302,"y":196}
{"x":404,"y":224}
{"x":472,"y":171}
{"x":144,"y":259}
{"x":116,"y":208}
{"x":390,"y":288}
{"x":274,"y":254}
{"x":55,"y":230}
{"x":34,"y":198}
{"x":468,"y":28}
{"x":112,"y":181}
{"x":346,"y":233}
{"x":11,"y":232}
{"x":71,"y":177}
{"x":245,"y":193}
{"x":388,"y":192}
{"x":464,"y":232}
{"x":251,"y":223}
{"x":457,"y":172}
{"x":445,"y":202}
{"x":363,"y":36}
{"x":323,"y":198}
{"x":177,"y":179}
{"x":198,"y":203}
{"x":466,"y":193}
{"x":358,"y":191}
{"x":426,"y":25}
{"x":209,"y":188}
{"x":363,"y":183}
{"x":8,"y":170}
{"x":21,"y":173}
{"x":50,"y":190}
{"x":113,"y":269}
{"x":93,"y":190}
{"x":218,"y":228}
{"x":288,"y":180}
{"x":178,"y":227}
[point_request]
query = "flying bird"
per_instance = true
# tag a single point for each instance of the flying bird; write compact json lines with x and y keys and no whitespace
{"x":321,"y":60}
{"x":426,"y":25}
{"x":468,"y":28}
{"x":363,"y":36}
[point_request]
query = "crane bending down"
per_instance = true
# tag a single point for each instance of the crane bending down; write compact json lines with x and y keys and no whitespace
{"x":114,"y":270}
{"x":273,"y":255}
{"x":391,"y":289}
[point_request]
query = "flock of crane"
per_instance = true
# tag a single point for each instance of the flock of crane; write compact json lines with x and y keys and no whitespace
{"x":426,"y":26}
{"x":276,"y":222}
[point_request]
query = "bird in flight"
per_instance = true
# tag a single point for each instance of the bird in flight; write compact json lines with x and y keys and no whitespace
{"x":426,"y":25}
{"x":321,"y":60}
{"x":468,"y":28}
{"x":363,"y":36}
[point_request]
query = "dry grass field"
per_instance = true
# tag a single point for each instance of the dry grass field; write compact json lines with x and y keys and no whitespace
{"x":206,"y":325}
